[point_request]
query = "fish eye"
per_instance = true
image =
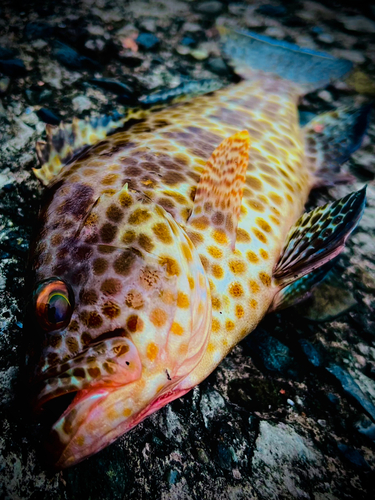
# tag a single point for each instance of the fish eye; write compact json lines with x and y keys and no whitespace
{"x":54,"y":304}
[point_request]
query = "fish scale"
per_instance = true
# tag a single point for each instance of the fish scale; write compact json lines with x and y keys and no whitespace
{"x":161,"y":247}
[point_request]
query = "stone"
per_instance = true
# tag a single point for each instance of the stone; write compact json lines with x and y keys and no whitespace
{"x":211,"y":7}
{"x":13,"y":67}
{"x":283,"y":460}
{"x":147,"y":41}
{"x":81,"y":103}
{"x":351,"y":387}
{"x":358,"y":23}
{"x":275,"y":355}
{"x":311,"y":353}
{"x":366,"y":427}
{"x":48,"y":116}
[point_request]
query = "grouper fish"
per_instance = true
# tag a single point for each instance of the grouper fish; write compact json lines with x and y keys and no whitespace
{"x":169,"y":232}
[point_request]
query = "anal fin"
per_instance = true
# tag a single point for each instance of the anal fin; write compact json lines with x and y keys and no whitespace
{"x":220,"y":189}
{"x":318,"y":237}
{"x":301,"y":289}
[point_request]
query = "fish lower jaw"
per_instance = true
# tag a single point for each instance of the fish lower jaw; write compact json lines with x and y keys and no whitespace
{"x":95,"y":419}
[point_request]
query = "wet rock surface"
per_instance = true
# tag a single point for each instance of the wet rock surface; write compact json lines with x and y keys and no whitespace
{"x":290,"y":413}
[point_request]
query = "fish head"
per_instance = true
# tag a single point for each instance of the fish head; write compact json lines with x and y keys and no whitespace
{"x":122,"y":326}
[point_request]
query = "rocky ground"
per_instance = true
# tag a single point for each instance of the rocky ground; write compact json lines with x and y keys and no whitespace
{"x":291,"y":412}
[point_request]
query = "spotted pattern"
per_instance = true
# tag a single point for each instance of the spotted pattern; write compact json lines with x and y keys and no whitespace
{"x":165,"y":254}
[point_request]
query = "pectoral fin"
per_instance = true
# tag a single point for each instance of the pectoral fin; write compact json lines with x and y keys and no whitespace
{"x":220,"y":189}
{"x":318,"y":237}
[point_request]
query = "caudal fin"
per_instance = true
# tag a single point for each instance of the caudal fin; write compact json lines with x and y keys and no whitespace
{"x":308,"y":69}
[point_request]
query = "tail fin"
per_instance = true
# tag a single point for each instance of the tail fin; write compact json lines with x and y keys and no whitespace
{"x":309,"y":69}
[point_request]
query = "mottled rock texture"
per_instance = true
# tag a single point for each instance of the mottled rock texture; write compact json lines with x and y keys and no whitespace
{"x":290,"y":413}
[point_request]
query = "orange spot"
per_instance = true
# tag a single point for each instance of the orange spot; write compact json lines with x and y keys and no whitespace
{"x":171,"y":266}
{"x":252,"y":257}
{"x":261,"y":237}
{"x":182,"y":300}
{"x":162,"y":232}
{"x":265,"y":279}
{"x":111,"y":414}
{"x":237,"y":266}
{"x":80,"y":440}
{"x":275,"y":220}
{"x":127,"y":412}
{"x":211,"y":347}
{"x":216,"y":303}
{"x":191,"y":282}
{"x":263,"y":254}
{"x":215,"y":325}
{"x":152,"y":351}
{"x":217,"y":271}
{"x":125,"y":200}
{"x":168,"y":297}
{"x":254,"y":287}
{"x":239,"y":311}
{"x":201,"y":223}
{"x":253,"y":303}
{"x":177,"y":329}
{"x":220,"y":237}
{"x":158,"y":317}
{"x":215,"y":252}
{"x":139,"y":216}
{"x":235,"y":289}
{"x":229,"y":325}
{"x":243,"y":236}
{"x":109,"y":179}
{"x":263,"y":225}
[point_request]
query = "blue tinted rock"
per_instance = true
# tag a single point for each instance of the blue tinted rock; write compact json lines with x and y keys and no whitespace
{"x":71,"y":58}
{"x":147,"y":40}
{"x":272,"y":10}
{"x":38,"y":30}
{"x":13,"y":67}
{"x":218,"y":65}
{"x":6,"y":53}
{"x":354,"y":456}
{"x":48,"y":116}
{"x":274,"y":354}
{"x":351,"y":387}
{"x":365,"y":426}
{"x":311,"y":353}
{"x":188,"y":41}
{"x":112,"y":85}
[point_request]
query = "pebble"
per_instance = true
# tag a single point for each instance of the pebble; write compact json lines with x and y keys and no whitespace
{"x":147,"y":40}
{"x":13,"y":67}
{"x":191,"y":27}
{"x":4,"y":84}
{"x":290,"y":402}
{"x":210,"y":7}
{"x":218,"y":65}
{"x":188,"y":41}
{"x":95,"y":30}
{"x":48,"y":116}
{"x":38,"y":44}
{"x":366,"y":427}
{"x":354,"y":56}
{"x":311,"y":353}
{"x":358,"y":23}
{"x":38,"y":30}
{"x":199,"y":54}
{"x":81,"y":103}
{"x":325,"y":38}
{"x":322,"y":423}
{"x":275,"y":355}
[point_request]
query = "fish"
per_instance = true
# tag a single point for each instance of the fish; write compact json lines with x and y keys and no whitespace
{"x":168,"y":233}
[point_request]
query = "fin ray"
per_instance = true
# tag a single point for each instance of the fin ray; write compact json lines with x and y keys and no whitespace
{"x":319,"y":236}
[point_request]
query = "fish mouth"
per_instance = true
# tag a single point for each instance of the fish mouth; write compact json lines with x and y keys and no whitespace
{"x":69,"y":393}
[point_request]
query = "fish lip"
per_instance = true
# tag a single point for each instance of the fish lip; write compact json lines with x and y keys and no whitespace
{"x":53,"y":375}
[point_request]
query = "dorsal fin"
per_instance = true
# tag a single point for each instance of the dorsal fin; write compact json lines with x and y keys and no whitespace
{"x":68,"y":139}
{"x":220,"y":188}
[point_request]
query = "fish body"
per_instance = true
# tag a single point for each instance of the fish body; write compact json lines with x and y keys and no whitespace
{"x":157,"y":253}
